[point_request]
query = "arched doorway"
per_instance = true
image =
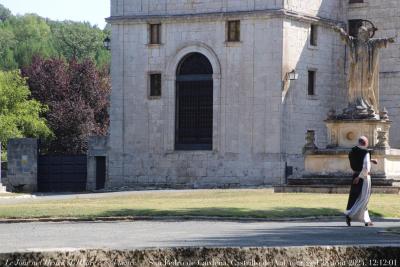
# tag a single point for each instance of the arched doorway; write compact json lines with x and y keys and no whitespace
{"x":194,"y":103}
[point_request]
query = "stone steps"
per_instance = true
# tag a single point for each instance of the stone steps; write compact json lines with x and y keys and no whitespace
{"x":332,"y":189}
{"x":337,"y":181}
{"x":335,"y":185}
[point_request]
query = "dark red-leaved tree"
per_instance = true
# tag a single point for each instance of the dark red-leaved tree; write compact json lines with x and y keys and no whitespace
{"x":77,"y":95}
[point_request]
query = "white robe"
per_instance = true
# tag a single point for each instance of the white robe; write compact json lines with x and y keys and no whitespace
{"x":359,"y":211}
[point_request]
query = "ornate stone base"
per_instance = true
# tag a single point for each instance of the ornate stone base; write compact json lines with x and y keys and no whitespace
{"x":335,"y":163}
{"x":345,"y":133}
{"x":331,"y":166}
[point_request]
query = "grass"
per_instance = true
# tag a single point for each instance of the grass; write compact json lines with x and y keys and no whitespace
{"x":6,"y":194}
{"x":9,"y":194}
{"x":260,"y":203}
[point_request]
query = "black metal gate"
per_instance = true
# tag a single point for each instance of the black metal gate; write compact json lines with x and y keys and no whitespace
{"x":60,"y":173}
{"x":194,"y":104}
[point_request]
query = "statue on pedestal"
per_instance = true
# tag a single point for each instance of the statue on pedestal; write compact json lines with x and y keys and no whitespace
{"x":362,"y":120}
{"x":363,"y":79}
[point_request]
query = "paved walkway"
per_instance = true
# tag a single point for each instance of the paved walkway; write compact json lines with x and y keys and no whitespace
{"x":147,"y":234}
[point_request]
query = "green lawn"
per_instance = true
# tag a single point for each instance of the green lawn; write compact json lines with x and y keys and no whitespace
{"x":260,"y":203}
{"x":6,"y":194}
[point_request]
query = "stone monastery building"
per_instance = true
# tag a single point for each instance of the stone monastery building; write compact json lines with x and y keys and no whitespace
{"x":203,"y":93}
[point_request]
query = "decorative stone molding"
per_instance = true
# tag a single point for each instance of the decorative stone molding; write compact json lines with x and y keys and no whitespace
{"x":207,"y":16}
{"x":310,"y":141}
{"x":345,"y":133}
{"x":383,"y":140}
{"x":384,"y":114}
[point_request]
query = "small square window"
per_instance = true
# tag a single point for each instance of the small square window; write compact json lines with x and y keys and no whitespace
{"x":313,"y":35}
{"x":233,"y":31}
{"x":155,"y":33}
{"x":311,"y":82}
{"x":155,"y":85}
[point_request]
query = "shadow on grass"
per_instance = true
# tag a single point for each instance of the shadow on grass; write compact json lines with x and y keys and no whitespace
{"x":288,"y":212}
{"x":375,"y":214}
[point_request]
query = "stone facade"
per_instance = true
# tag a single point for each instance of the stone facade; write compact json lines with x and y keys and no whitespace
{"x":257,"y":130}
{"x":3,"y":173}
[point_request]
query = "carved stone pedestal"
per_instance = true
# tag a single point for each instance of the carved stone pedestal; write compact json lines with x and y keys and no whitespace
{"x":333,"y":163}
{"x":345,"y":133}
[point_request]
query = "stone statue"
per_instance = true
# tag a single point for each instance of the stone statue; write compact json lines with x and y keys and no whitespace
{"x":363,"y":79}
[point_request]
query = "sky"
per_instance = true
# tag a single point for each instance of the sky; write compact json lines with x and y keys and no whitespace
{"x":93,"y":11}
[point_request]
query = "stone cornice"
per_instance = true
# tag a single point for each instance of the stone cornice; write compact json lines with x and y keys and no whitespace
{"x":265,"y":13}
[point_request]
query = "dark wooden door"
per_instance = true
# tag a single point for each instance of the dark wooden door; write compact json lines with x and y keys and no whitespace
{"x":100,"y":172}
{"x":62,"y":173}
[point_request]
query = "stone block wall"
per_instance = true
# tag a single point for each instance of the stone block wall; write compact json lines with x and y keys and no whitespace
{"x":3,"y":169}
{"x":302,"y":112}
{"x":2,"y":166}
{"x":97,"y":147}
{"x":22,"y":157}
{"x":3,"y":172}
{"x":255,"y":133}
{"x":246,"y":105}
{"x":327,"y":9}
{"x":170,"y":7}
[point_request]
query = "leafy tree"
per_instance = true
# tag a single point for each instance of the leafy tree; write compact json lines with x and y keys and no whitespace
{"x":77,"y":95}
{"x":22,"y":37}
{"x":19,"y":115}
{"x":103,"y":56}
{"x":5,"y":13}
{"x":31,"y":27}
{"x":76,"y":40}
{"x":7,"y":42}
{"x":33,"y":36}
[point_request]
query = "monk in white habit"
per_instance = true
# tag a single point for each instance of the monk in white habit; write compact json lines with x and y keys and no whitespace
{"x":360,"y":192}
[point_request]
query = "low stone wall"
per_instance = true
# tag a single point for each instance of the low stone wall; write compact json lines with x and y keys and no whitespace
{"x":22,"y":157}
{"x":292,"y":256}
{"x":3,"y":176}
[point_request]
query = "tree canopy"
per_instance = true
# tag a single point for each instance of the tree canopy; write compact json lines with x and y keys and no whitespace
{"x":23,"y":37}
{"x":66,"y":69}
{"x":20,"y":116}
{"x":77,"y":94}
{"x":5,"y":13}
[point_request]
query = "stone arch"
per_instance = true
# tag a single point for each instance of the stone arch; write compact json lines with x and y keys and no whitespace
{"x":201,"y":48}
{"x":173,"y":64}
